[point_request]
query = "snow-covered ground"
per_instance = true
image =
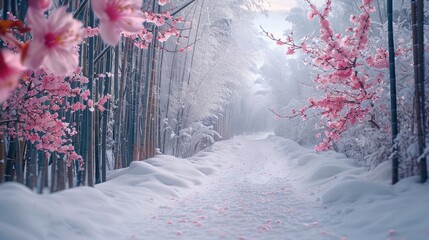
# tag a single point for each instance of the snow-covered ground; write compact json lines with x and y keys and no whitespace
{"x":249,"y":187}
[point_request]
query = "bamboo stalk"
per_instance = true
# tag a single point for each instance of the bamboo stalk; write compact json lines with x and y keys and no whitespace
{"x":394,"y":118}
{"x":14,"y":7}
{"x":2,"y":158}
{"x":90,"y":121}
{"x":10,"y":161}
{"x":158,"y":103}
{"x":6,"y":6}
{"x":44,"y":175}
{"x":132,"y":91}
{"x":98,"y":115}
{"x":107,"y":90}
{"x":54,"y":173}
{"x":28,"y":166}
{"x":61,"y":185}
{"x":80,"y":8}
{"x":18,"y":161}
{"x":421,"y":78}
{"x":118,"y":121}
{"x":33,"y":175}
{"x":137,"y":114}
{"x":116,"y":99}
{"x":150,"y":124}
{"x":70,"y":176}
{"x":146,"y":94}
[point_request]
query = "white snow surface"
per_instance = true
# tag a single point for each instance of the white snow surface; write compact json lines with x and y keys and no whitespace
{"x":248,"y":187}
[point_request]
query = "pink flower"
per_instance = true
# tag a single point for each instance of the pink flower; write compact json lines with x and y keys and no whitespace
{"x":101,"y":108}
{"x":148,"y":37}
{"x":163,"y":2}
{"x":41,"y":5}
{"x":85,"y":94}
{"x":104,"y":99}
{"x":54,"y":41}
{"x":90,"y":32}
{"x":160,"y":21}
{"x":77,"y":106}
{"x":161,"y":37}
{"x":117,"y":16}
{"x":141,"y":45}
{"x":10,"y":71}
{"x":311,"y":15}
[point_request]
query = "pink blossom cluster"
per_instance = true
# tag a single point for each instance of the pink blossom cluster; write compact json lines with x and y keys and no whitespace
{"x":90,"y":32}
{"x":36,"y":108}
{"x":166,"y":28}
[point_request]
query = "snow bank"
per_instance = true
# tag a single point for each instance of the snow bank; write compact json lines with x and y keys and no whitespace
{"x":355,"y":190}
{"x":105,"y":211}
{"x":360,"y":204}
{"x":71,"y":214}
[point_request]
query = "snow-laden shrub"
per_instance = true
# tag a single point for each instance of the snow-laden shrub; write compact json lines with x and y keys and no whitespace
{"x":195,"y":138}
{"x":367,"y":145}
{"x":298,"y":130}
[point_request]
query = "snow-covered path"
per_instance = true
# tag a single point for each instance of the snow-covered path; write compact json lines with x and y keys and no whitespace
{"x":248,"y":187}
{"x":252,"y":198}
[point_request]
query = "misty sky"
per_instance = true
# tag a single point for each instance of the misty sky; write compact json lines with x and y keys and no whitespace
{"x":274,"y":22}
{"x":279,"y":5}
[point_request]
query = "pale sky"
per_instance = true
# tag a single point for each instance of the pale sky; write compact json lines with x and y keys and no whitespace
{"x":274,"y":22}
{"x":279,"y":5}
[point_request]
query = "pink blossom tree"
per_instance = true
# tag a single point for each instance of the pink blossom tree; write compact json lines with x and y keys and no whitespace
{"x":346,"y":78}
{"x":36,"y":111}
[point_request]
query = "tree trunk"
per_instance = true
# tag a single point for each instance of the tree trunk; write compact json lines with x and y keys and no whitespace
{"x":421,"y":80}
{"x":53,"y":173}
{"x":119,"y":121}
{"x":107,"y":90}
{"x":115,"y":96}
{"x":18,"y":162}
{"x":394,"y":118}
{"x":61,"y":184}
{"x":90,"y":121}
{"x":44,"y":174}
{"x":137,"y":114}
{"x":28,"y":165}
{"x":70,"y":175}
{"x":33,"y":176}
{"x":2,"y":158}
{"x":10,"y":161}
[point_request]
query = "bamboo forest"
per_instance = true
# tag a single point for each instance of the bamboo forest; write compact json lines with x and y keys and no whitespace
{"x":214,"y":119}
